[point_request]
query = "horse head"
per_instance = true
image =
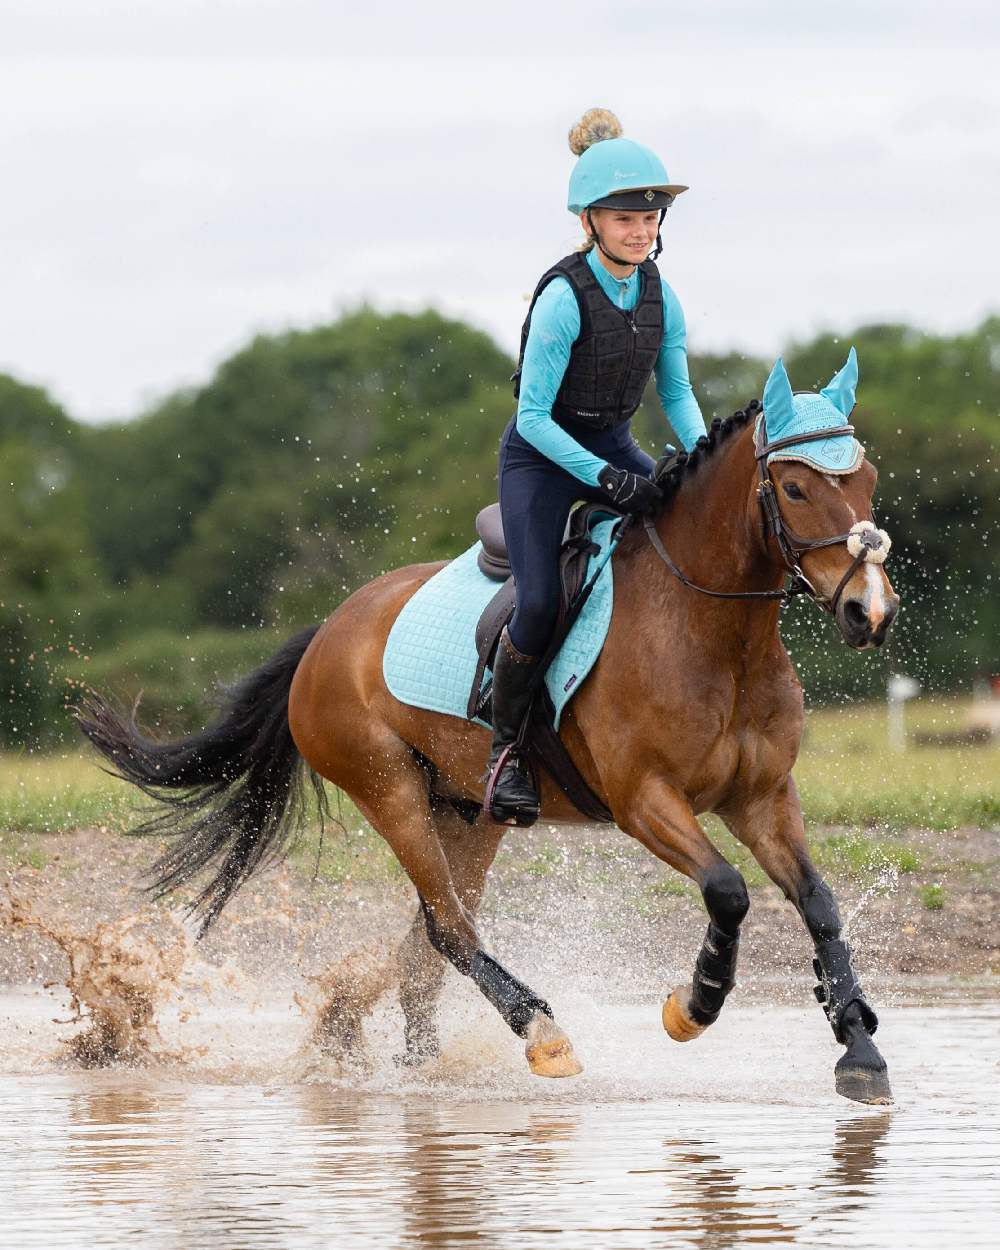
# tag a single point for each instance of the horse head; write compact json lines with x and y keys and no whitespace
{"x":817,"y":487}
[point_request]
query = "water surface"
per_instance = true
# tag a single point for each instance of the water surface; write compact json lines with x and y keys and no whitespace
{"x":735,"y":1140}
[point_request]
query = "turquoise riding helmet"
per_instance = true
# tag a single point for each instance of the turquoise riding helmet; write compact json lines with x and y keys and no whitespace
{"x":619,"y":173}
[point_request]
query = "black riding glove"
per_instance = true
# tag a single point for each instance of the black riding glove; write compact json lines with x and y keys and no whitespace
{"x":629,"y":491}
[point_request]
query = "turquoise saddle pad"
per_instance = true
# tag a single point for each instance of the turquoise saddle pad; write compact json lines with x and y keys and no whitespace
{"x":430,"y":656}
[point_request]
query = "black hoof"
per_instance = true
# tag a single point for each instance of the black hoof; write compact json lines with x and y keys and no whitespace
{"x":869,"y":1085}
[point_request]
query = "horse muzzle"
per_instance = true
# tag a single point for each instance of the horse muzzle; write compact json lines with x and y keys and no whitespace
{"x":865,"y":615}
{"x":864,"y":620}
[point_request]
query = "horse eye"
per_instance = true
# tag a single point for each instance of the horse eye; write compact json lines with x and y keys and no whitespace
{"x":792,"y":490}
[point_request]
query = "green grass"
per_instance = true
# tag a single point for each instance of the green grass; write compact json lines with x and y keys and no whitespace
{"x":854,"y":854}
{"x":847,"y":774}
{"x":860,"y":855}
{"x":350,"y":852}
{"x":932,"y":897}
{"x":56,"y":793}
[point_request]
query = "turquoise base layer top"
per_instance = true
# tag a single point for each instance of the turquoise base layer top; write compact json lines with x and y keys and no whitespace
{"x":555,"y":327}
{"x":430,"y":656}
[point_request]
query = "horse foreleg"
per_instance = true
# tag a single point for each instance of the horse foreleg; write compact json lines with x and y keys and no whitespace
{"x":396,"y":803}
{"x":661,"y":818}
{"x":470,"y":850}
{"x":774,"y":832}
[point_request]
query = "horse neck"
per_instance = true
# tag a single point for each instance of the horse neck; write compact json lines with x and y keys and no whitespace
{"x":712,"y":528}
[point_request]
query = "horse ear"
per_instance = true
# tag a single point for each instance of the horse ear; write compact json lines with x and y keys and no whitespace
{"x":842,"y":386}
{"x":778,"y":407}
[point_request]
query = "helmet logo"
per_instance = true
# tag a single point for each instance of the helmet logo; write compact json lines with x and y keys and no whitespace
{"x":650,"y":195}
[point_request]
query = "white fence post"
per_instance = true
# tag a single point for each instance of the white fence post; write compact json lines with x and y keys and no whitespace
{"x":900,"y":689}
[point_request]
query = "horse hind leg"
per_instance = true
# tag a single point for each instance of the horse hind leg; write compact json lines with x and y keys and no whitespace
{"x":470,"y":848}
{"x":394,"y":798}
{"x":415,"y":969}
{"x":349,"y":993}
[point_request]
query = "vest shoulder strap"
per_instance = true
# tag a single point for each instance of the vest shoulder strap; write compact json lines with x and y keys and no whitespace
{"x":652,"y":290}
{"x":568,"y":268}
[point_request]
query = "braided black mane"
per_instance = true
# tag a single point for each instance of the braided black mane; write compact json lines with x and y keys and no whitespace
{"x":671,"y":473}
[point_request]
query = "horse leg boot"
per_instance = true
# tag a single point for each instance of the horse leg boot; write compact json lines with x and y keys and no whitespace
{"x":861,"y":1073}
{"x":691,"y":1009}
{"x":549,"y":1051}
{"x":660,"y":817}
{"x":470,"y":852}
{"x":774,"y":832}
{"x":511,"y":797}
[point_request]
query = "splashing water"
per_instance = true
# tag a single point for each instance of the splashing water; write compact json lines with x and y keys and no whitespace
{"x":118,"y":975}
{"x":338,"y":1001}
{"x":884,"y":881}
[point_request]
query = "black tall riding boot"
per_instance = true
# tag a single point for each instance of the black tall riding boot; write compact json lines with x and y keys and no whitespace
{"x":514,"y":799}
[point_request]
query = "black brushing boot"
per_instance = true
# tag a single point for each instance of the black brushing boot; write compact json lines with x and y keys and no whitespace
{"x":510,"y":793}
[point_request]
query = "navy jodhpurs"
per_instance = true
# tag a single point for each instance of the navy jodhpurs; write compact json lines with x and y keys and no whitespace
{"x":535,"y":499}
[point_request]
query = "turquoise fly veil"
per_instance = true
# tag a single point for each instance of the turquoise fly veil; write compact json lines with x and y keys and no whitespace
{"x":788,"y":414}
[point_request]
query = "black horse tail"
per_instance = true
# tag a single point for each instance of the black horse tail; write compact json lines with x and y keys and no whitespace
{"x":236,"y":791}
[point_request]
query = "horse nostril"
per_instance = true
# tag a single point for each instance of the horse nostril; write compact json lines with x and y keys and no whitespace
{"x":891,"y":608}
{"x":855,"y":614}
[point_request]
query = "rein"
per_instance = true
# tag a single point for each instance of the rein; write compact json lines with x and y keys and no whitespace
{"x":864,"y":541}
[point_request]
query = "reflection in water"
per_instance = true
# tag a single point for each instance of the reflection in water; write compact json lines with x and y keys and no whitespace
{"x":445,"y":1180}
{"x":102,"y":1159}
{"x":856,"y":1156}
{"x":715,"y":1209}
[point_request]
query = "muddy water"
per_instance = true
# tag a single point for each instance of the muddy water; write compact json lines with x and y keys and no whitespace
{"x":249,"y":1139}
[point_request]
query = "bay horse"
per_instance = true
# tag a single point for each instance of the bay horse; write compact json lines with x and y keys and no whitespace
{"x":693,"y":706}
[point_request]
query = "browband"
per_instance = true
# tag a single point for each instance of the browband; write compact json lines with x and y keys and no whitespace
{"x":835,"y":431}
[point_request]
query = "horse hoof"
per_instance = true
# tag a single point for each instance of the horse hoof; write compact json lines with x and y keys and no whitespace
{"x":864,"y":1085}
{"x":553,"y":1059}
{"x":676,"y":1019}
{"x":414,"y":1058}
{"x":549,"y":1051}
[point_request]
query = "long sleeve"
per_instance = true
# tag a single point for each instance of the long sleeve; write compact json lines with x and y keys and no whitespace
{"x":672,"y":382}
{"x":555,"y":327}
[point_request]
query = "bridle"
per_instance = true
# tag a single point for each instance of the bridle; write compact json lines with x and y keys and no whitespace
{"x":863,"y":540}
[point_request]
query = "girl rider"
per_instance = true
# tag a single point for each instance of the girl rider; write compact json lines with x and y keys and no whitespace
{"x":600,"y":322}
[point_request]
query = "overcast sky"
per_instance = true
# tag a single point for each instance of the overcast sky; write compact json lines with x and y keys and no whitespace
{"x":178,"y":175}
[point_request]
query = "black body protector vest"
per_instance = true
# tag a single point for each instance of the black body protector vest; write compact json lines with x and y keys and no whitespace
{"x":612,"y":359}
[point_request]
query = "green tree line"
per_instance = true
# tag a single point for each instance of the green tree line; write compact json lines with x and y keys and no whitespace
{"x":174,"y":549}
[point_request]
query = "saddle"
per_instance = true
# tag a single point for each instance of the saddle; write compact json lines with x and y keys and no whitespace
{"x":541,"y":743}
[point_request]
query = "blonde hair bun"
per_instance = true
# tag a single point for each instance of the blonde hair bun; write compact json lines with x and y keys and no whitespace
{"x":593,"y":126}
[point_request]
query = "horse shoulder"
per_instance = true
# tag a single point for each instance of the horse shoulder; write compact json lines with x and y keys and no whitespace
{"x":771,"y":727}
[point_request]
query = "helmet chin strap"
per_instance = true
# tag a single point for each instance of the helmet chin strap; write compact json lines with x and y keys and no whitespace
{"x":617,"y":260}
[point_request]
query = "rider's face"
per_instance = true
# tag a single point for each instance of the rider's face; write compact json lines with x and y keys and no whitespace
{"x":629,"y":234}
